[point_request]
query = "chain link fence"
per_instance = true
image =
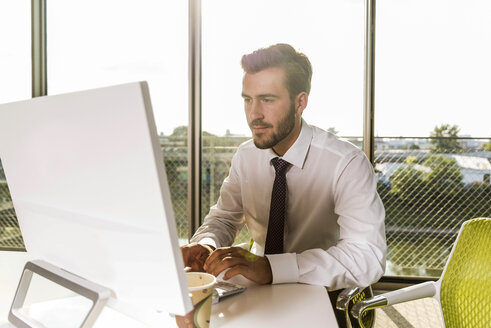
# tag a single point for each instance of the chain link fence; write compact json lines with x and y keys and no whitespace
{"x":429,"y":188}
{"x":427,"y":191}
{"x":217,"y":153}
{"x":217,"y":158}
{"x":10,"y":235}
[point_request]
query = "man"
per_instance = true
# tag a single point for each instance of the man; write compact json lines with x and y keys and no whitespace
{"x":332,"y":220}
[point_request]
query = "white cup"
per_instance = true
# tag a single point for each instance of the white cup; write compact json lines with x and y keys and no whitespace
{"x":200,"y":286}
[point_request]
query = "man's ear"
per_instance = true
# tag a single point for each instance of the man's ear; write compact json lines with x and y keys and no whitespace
{"x":301,"y":102}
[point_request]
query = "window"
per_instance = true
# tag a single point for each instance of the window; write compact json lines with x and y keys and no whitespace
{"x":100,"y":43}
{"x":330,"y":33}
{"x":15,"y":57}
{"x":432,"y":70}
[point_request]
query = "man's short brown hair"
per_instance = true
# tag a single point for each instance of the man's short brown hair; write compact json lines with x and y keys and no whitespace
{"x":298,"y":69}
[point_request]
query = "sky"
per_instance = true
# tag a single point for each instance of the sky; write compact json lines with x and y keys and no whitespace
{"x":432,"y":65}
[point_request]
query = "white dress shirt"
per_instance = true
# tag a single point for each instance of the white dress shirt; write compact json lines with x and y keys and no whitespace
{"x":334,"y":232}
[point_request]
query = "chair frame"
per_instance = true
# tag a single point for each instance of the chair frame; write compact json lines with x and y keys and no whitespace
{"x":347,"y":298}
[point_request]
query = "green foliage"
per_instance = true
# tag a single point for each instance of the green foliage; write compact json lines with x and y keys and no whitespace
{"x":444,"y":176}
{"x":227,"y":144}
{"x":445,"y":139}
{"x":487,"y":147}
{"x":209,"y":140}
{"x":332,"y":130}
{"x":412,"y":160}
{"x":424,"y":188}
{"x":180,"y":131}
{"x":478,"y":196}
{"x":430,"y":190}
{"x":405,"y":181}
{"x":425,"y":201}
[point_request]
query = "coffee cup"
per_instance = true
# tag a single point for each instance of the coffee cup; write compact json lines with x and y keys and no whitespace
{"x":201,"y":288}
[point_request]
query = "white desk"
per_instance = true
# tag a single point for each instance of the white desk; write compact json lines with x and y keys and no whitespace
{"x":289,"y":305}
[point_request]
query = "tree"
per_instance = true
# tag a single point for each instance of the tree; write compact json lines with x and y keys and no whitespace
{"x":445,"y":139}
{"x":487,"y":147}
{"x":444,"y":176}
{"x":412,"y":146}
{"x":407,"y":180}
{"x":332,"y":130}
{"x":436,"y":174}
{"x":425,"y":188}
{"x":180,"y":131}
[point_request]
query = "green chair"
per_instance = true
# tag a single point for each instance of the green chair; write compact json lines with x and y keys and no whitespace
{"x":463,"y":290}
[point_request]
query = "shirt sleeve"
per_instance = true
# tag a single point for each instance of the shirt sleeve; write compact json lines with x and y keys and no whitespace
{"x":225,"y":219}
{"x":358,"y":259}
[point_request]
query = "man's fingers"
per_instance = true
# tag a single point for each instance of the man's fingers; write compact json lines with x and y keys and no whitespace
{"x":200,"y":257}
{"x":222,"y":264}
{"x":227,"y":258}
{"x":195,"y":255}
{"x":235,"y":270}
{"x":218,"y":255}
{"x":186,"y":256}
{"x":219,"y":252}
{"x":239,"y":261}
{"x":197,"y":267}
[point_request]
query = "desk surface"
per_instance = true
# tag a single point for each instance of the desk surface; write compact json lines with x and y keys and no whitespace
{"x":288,"y":305}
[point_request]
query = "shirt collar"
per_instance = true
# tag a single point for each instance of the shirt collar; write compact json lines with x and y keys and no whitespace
{"x":297,"y":153}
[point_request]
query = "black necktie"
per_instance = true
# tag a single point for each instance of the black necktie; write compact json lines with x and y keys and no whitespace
{"x":277,"y":211}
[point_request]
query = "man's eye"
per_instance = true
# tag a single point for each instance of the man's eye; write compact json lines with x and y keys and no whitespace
{"x":267,"y":100}
{"x":247,"y":100}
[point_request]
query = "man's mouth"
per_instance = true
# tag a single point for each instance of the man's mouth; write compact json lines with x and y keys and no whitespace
{"x":259,"y":127}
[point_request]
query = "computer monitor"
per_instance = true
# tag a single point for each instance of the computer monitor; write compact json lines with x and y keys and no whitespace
{"x":87,"y":179}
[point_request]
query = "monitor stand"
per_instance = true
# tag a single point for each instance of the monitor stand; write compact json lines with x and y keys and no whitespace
{"x":99,"y":295}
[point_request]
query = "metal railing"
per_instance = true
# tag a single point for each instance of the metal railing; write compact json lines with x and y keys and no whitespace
{"x":427,"y":191}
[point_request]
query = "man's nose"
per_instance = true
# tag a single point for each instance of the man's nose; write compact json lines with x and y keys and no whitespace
{"x":255,"y":110}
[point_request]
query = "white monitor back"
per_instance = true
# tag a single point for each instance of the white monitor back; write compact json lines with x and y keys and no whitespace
{"x":89,"y":188}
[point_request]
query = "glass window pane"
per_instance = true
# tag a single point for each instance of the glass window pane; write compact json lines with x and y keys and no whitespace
{"x":330,"y":33}
{"x":15,"y":83}
{"x":433,"y":67}
{"x":101,"y":43}
{"x":432,"y":80}
{"x":15,"y":57}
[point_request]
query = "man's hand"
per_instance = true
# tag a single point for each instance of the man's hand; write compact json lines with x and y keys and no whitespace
{"x":195,"y":255}
{"x":239,"y":261}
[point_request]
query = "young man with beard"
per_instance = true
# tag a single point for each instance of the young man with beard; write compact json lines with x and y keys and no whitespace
{"x":331,"y":219}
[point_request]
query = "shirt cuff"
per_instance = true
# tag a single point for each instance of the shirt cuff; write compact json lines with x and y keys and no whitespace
{"x":208,"y":241}
{"x":284,"y":268}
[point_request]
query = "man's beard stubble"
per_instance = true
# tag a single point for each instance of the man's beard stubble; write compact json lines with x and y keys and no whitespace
{"x":285,"y":126}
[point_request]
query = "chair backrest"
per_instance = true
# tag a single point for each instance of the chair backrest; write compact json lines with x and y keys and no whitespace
{"x":465,"y":293}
